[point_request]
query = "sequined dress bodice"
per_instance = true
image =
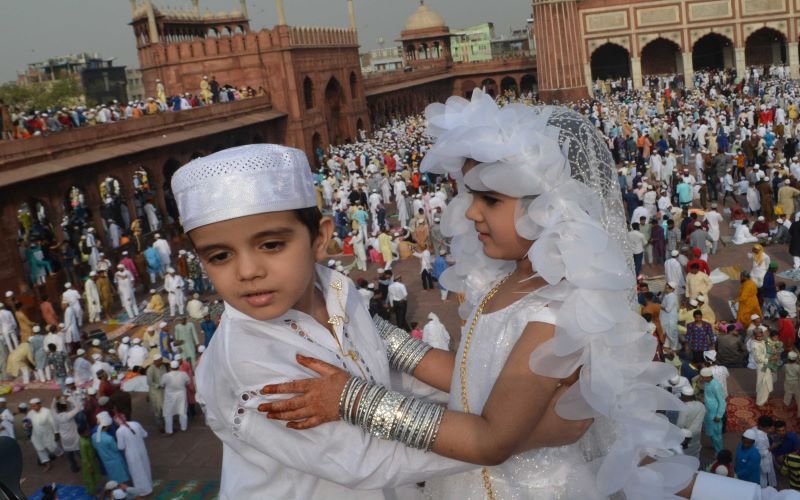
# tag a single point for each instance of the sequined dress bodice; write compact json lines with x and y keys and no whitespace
{"x":545,"y":473}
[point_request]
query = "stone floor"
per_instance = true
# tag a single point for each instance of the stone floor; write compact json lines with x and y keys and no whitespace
{"x":196,"y":454}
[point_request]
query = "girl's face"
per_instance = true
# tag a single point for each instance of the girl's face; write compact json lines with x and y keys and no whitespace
{"x":493,"y":215}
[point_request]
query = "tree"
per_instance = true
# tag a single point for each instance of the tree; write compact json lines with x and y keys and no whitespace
{"x":42,"y":96}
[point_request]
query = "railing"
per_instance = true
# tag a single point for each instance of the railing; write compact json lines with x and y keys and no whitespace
{"x":315,"y":36}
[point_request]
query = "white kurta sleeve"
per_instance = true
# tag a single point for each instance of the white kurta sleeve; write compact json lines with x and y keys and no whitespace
{"x":335,"y":451}
{"x":709,"y":486}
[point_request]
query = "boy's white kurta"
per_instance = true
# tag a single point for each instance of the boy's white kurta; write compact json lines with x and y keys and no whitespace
{"x":264,"y":459}
{"x":175,"y":401}
{"x":131,"y":441}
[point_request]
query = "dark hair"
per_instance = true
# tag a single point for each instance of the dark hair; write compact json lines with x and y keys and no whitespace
{"x":697,"y":312}
{"x":635,"y":226}
{"x":647,"y":317}
{"x":783,"y":313}
{"x":310,"y":217}
{"x":724,"y":457}
{"x":781,"y":286}
{"x":779,"y":424}
{"x":765,"y":421}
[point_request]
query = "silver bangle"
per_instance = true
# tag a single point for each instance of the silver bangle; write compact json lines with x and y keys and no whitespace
{"x":403,"y":351}
{"x":385,"y":415}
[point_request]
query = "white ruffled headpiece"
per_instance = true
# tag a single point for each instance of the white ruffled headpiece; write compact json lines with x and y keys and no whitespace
{"x":554,"y":160}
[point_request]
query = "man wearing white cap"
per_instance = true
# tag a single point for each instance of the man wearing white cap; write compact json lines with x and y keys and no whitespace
{"x":668,"y":315}
{"x":6,"y":420}
{"x":748,"y":459}
{"x":164,"y":252}
{"x":124,"y":282}
{"x":173,"y":284}
{"x":73,"y":298}
{"x":8,"y":328}
{"x":55,"y":335}
{"x":791,"y":383}
{"x":691,"y":418}
{"x":765,"y":426}
{"x":716,"y":407}
{"x":137,"y":355}
{"x":673,"y":272}
{"x":82,"y":370}
{"x":713,"y":218}
{"x":43,"y":432}
{"x":130,"y":440}
{"x":155,"y":387}
{"x":93,"y":307}
{"x":175,"y":398}
{"x":123,"y":350}
{"x":758,"y":351}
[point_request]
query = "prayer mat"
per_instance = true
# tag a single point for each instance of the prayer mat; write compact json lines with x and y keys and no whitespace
{"x":733,"y":272}
{"x":790,"y":274}
{"x":655,"y":283}
{"x":743,"y":413}
{"x":65,"y":492}
{"x":185,"y":490}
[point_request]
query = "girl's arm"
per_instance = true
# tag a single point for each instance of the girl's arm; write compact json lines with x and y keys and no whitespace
{"x":518,"y":416}
{"x":436,"y":369}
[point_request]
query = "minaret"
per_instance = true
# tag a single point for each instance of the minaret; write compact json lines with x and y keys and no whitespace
{"x":196,"y":6}
{"x":559,"y":60}
{"x":151,"y":21}
{"x":133,"y":6}
{"x":243,"y":8}
{"x":351,"y":13}
{"x":281,"y":12}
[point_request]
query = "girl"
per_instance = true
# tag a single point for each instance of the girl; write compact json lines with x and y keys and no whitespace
{"x":539,"y":244}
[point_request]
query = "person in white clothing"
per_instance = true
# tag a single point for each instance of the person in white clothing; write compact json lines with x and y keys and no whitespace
{"x":360,"y":249}
{"x":764,"y":425}
{"x":130,"y":439}
{"x":137,"y":356}
{"x":425,"y":268}
{"x":55,"y":335}
{"x":124,"y":281}
{"x":691,"y":419}
{"x":175,"y":400}
{"x":72,"y":331}
{"x":92,"y":296}
{"x":82,"y":370}
{"x":67,"y":430}
{"x":173,"y":284}
{"x":6,"y":420}
{"x":714,"y":219}
{"x":43,"y":432}
{"x":435,"y":333}
{"x":8,"y":328}
{"x":73,"y":298}
{"x":123,"y":350}
{"x":674,"y":272}
{"x":164,"y":251}
{"x":668,"y":315}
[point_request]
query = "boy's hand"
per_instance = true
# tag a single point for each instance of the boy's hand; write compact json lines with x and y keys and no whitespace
{"x":317,"y":399}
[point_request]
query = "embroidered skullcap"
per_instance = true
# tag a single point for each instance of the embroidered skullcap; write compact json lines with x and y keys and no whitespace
{"x":69,"y":380}
{"x":687,"y":390}
{"x":67,"y":285}
{"x":35,"y":401}
{"x":80,"y":352}
{"x":174,"y":365}
{"x":96,"y":342}
{"x":710,"y":355}
{"x":111,"y":485}
{"x":792,"y":355}
{"x":706,"y":372}
{"x":119,"y":494}
{"x":750,"y":434}
{"x":754,"y":317}
{"x":242,"y":181}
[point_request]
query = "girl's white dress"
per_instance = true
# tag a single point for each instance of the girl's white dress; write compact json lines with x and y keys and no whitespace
{"x":543,"y":474}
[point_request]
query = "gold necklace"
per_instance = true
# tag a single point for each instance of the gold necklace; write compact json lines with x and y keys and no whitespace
{"x":487,"y":480}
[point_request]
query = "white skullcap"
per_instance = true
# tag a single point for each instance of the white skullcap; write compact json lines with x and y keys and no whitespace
{"x":91,"y":391}
{"x":672,"y":285}
{"x":125,"y":253}
{"x":721,"y":470}
{"x":674,"y":253}
{"x":687,"y":390}
{"x":112,"y":351}
{"x":171,"y":270}
{"x":103,"y":418}
{"x":2,"y":400}
{"x":9,"y":294}
{"x":710,"y":355}
{"x":697,"y":224}
{"x":792,"y":355}
{"x":137,"y":341}
{"x":674,"y":380}
{"x":754,"y":317}
{"x":163,"y":324}
{"x":693,"y":303}
{"x":35,"y":401}
{"x":120,"y":266}
{"x":177,"y":357}
{"x":787,"y":181}
{"x":201,"y":348}
{"x":152,"y":290}
{"x":241,"y":181}
{"x":331,"y":263}
{"x":36,"y":329}
{"x":706,"y":372}
{"x":156,"y":357}
{"x":151,"y":329}
{"x":126,"y":340}
{"x":111,"y":485}
{"x":701,"y":298}
{"x":92,"y":274}
{"x":95,"y":356}
{"x":69,"y":380}
{"x":119,"y":494}
{"x":760,"y":218}
{"x":779,"y":221}
{"x":80,"y":352}
{"x":750,"y":434}
{"x":96,"y":342}
{"x":174,"y":365}
{"x":66,"y":285}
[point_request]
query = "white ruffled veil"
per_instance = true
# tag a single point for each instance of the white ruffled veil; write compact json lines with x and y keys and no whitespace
{"x":554,"y":160}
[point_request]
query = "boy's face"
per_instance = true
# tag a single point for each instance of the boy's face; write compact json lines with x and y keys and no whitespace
{"x":262,"y":265}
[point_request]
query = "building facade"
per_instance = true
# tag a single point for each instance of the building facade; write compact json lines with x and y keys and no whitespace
{"x":472,"y":44}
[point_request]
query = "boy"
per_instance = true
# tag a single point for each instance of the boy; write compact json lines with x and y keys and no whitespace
{"x":252,"y":217}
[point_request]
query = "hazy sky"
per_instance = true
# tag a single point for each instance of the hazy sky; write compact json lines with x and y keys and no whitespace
{"x":34,"y":30}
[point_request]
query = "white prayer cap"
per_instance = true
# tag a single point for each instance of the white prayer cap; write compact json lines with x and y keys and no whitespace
{"x":81,"y":352}
{"x":750,"y":434}
{"x":174,"y":365}
{"x":177,"y":357}
{"x":119,"y":494}
{"x":687,"y":390}
{"x":2,"y":400}
{"x":92,"y":274}
{"x":701,"y":298}
{"x":102,"y":401}
{"x":95,"y":356}
{"x":35,"y":401}
{"x":779,"y":221}
{"x":181,"y":252}
{"x":721,"y":470}
{"x":697,"y":224}
{"x":792,"y":355}
{"x":103,"y":418}
{"x":787,"y":181}
{"x":69,"y":380}
{"x":371,"y":286}
{"x":713,"y":205}
{"x":96,"y":342}
{"x":674,"y":380}
{"x":151,"y":329}
{"x":710,"y":355}
{"x":91,"y":391}
{"x":136,"y":341}
{"x":754,"y":317}
{"x":120,"y":266}
{"x":201,"y":348}
{"x":760,"y":217}
{"x":66,"y":285}
{"x":157,"y":235}
{"x":112,"y":351}
{"x":672,"y":284}
{"x":241,"y":181}
{"x":162,"y":324}
{"x":111,"y":485}
{"x":156,"y":357}
{"x":706,"y":372}
{"x":36,"y":329}
{"x":152,"y":290}
{"x":171,"y":270}
{"x":125,"y":253}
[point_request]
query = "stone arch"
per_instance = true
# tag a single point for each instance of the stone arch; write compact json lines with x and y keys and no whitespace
{"x":528,"y":83}
{"x":712,"y":51}
{"x":489,"y":86}
{"x":308,"y":92}
{"x":610,"y":61}
{"x":212,"y":33}
{"x":360,"y":124}
{"x":661,"y":56}
{"x":335,"y":110}
{"x":509,"y":84}
{"x":353,"y":85}
{"x":764,"y":47}
{"x":170,"y":167}
{"x":35,"y":237}
{"x":113,"y":206}
{"x":144,"y":194}
{"x":76,"y":206}
{"x":467,"y":86}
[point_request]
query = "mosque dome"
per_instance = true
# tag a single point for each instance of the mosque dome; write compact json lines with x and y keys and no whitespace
{"x":424,"y":18}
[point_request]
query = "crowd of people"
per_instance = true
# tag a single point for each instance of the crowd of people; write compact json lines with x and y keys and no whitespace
{"x":19,"y":123}
{"x":699,"y":170}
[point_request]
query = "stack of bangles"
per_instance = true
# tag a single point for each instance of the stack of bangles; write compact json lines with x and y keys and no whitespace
{"x":390,"y":415}
{"x":404,"y":351}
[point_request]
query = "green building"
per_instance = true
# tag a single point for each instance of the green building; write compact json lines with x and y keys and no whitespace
{"x":472,"y":44}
